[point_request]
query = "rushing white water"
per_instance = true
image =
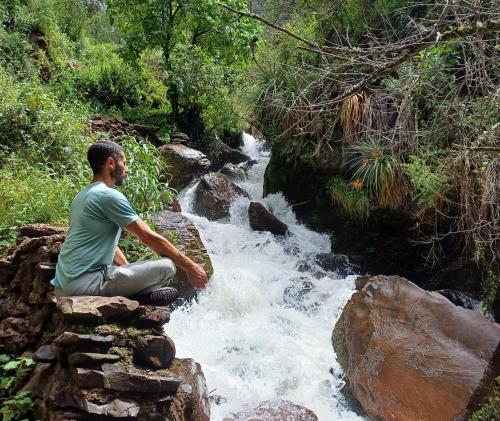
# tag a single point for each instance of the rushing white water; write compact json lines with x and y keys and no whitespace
{"x":262,"y":329}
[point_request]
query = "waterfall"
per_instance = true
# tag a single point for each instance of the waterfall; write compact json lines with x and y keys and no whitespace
{"x":262,"y":327}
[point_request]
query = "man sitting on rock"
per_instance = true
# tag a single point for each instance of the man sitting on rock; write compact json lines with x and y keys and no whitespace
{"x":91,"y":263}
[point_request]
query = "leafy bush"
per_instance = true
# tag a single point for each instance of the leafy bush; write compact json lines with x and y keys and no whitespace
{"x":32,"y":194}
{"x":40,"y":128}
{"x":429,"y":178}
{"x":146,"y":186}
{"x":13,"y":373}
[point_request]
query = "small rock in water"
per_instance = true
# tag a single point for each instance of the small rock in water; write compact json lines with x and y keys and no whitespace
{"x":279,"y":410}
{"x":263,"y":220}
{"x":217,"y":399}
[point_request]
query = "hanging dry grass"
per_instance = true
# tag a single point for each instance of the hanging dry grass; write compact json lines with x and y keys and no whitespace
{"x":395,"y":191}
{"x":355,"y":115}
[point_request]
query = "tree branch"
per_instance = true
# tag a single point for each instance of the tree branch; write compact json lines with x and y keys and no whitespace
{"x":309,"y":43}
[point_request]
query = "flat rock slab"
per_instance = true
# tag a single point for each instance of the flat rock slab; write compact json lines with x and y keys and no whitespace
{"x":279,"y":410}
{"x":154,"y":351}
{"x":71,"y":342}
{"x":411,"y":354}
{"x":124,"y":379}
{"x":96,"y":308}
{"x":83,"y":359}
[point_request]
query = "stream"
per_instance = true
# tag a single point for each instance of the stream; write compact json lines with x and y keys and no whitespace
{"x":262,"y":328}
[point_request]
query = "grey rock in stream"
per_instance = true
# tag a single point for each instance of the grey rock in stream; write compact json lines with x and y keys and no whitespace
{"x":263,"y":220}
{"x":214,"y":195}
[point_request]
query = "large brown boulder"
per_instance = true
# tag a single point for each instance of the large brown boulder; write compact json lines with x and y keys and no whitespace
{"x":185,"y":163}
{"x":214,"y":195}
{"x":184,"y":235}
{"x":263,"y":220}
{"x":279,"y":410}
{"x":410,"y":354}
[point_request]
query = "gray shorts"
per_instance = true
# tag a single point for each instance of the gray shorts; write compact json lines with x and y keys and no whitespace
{"x":124,"y":281}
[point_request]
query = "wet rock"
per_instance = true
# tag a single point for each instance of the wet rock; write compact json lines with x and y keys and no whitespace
{"x":96,"y":308}
{"x":249,"y":164}
{"x":151,"y":316}
{"x":460,"y":298}
{"x":84,"y":359}
{"x":45,"y":354}
{"x":185,"y":164}
{"x":234,"y":172}
{"x":338,"y":263}
{"x":185,"y":236}
{"x":393,"y":333}
{"x":214,"y":195}
{"x":279,"y":410}
{"x":193,"y":393}
{"x":154,"y":351}
{"x":263,"y":220}
{"x":230,"y":155}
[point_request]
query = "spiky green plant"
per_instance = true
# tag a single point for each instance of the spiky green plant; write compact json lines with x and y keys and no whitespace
{"x":379,"y":172}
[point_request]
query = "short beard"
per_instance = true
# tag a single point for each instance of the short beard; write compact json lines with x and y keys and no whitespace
{"x":119,"y":178}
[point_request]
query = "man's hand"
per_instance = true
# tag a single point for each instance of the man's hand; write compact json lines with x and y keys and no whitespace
{"x":197,"y":276}
{"x":159,"y":244}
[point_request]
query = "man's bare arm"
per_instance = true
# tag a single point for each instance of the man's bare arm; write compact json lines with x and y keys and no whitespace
{"x":163,"y":247}
{"x":119,"y":258}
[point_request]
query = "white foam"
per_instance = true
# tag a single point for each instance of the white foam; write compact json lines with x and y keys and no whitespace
{"x":262,"y":329}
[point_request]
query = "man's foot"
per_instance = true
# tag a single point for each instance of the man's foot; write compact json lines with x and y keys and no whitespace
{"x":158,"y":297}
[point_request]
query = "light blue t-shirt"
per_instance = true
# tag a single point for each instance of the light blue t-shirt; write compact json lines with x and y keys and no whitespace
{"x":96,"y":218}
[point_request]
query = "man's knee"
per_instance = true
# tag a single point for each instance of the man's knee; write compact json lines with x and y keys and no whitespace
{"x":168,"y":267}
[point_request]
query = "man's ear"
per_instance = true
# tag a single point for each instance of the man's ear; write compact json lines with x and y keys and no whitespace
{"x":110,"y":161}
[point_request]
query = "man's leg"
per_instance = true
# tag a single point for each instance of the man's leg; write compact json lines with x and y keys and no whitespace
{"x":87,"y":284}
{"x":137,"y":278}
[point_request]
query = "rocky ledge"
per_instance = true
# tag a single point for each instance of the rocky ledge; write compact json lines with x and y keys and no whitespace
{"x":97,"y":358}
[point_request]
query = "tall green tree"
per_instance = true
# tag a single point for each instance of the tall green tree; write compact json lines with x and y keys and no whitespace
{"x":174,"y":25}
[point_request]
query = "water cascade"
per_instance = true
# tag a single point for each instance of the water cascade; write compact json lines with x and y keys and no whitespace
{"x":262,"y":328}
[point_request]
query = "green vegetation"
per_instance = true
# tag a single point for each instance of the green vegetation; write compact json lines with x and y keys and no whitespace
{"x":13,"y":374}
{"x":61,"y":62}
{"x":490,"y":409}
{"x":349,"y":197}
{"x":406,"y":96}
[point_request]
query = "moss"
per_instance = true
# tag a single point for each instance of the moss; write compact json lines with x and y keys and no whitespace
{"x":109,"y":329}
{"x":339,"y":345}
{"x":125,"y":354}
{"x":490,"y":409}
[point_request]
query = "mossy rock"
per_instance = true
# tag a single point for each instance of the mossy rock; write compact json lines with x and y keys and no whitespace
{"x":339,"y":344}
{"x":184,"y":235}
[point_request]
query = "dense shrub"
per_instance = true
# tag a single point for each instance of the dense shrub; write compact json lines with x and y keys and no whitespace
{"x":32,"y":194}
